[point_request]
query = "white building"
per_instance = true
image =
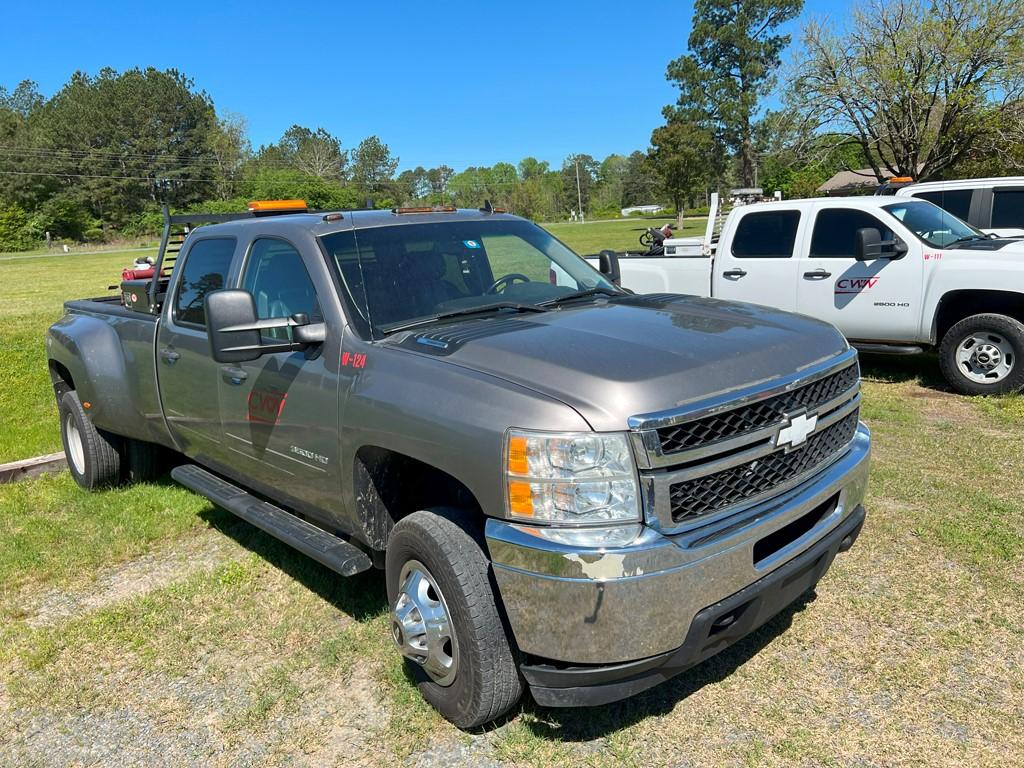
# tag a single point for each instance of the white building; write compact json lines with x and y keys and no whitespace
{"x":642,"y":209}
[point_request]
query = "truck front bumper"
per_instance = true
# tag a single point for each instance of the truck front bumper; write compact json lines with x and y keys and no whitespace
{"x":604,"y":614}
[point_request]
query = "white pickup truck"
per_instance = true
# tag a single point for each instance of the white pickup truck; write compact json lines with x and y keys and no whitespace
{"x":894,"y":274}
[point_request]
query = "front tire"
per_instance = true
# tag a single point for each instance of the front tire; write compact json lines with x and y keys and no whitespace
{"x":94,"y":457}
{"x":445,"y":618}
{"x":984,"y":355}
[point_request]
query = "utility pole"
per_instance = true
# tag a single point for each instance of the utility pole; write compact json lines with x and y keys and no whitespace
{"x":579,"y":192}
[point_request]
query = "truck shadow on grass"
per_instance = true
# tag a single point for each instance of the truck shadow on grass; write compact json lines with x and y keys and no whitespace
{"x":362,"y":597}
{"x":582,"y":725}
{"x":922,"y":368}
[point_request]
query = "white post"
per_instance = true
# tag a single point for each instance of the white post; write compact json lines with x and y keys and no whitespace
{"x":579,"y":192}
{"x":709,"y":229}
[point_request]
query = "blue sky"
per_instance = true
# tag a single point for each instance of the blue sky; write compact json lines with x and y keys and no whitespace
{"x":462,"y":83}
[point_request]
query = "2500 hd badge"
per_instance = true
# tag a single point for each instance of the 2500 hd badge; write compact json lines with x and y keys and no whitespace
{"x":312,"y":456}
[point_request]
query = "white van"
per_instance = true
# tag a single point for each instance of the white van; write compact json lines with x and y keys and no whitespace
{"x":992,"y":205}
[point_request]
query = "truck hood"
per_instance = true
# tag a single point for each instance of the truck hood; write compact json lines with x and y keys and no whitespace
{"x":1002,"y":249}
{"x":640,"y":354}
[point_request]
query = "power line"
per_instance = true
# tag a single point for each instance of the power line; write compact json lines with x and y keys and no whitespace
{"x":103,"y":176}
{"x":102,"y":152}
{"x":75,"y":158}
{"x":56,"y":156}
{"x":165,"y":174}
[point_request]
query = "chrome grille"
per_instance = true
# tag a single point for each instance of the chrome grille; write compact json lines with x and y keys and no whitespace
{"x":750,"y":418}
{"x":710,"y":493}
{"x":722,"y":456}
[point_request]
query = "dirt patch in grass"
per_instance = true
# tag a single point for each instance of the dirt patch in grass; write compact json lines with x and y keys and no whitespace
{"x":204,"y":550}
{"x":275,"y":675}
{"x":180,"y":721}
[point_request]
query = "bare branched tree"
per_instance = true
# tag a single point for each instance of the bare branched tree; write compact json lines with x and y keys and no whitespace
{"x":919,"y":85}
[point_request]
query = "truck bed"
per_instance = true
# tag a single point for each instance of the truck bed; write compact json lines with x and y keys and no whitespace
{"x":107,"y":305}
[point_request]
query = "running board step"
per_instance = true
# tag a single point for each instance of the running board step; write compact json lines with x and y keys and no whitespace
{"x":887,"y":349}
{"x":326,"y":548}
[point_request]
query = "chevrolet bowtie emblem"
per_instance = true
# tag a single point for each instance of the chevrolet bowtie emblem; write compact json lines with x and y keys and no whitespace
{"x":795,"y":432}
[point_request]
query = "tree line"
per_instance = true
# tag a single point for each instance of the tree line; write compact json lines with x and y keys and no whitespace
{"x":930,"y":89}
{"x":923,"y":88}
{"x":99,"y":158}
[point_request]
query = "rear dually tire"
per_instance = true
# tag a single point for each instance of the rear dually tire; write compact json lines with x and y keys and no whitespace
{"x":94,"y":456}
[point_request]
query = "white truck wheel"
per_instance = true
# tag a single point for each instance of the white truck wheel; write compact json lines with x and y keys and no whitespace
{"x":982,"y":355}
{"x":94,"y":457}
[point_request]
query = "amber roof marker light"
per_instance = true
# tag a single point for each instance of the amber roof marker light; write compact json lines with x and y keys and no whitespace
{"x":270,"y":207}
{"x":488,"y":208}
{"x":425,"y":209}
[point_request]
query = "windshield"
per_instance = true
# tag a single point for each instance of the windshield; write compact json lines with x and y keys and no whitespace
{"x":935,"y":227}
{"x":395,"y":275}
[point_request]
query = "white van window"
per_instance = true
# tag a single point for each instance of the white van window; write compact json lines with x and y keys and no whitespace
{"x":1008,"y":208}
{"x":956,"y":201}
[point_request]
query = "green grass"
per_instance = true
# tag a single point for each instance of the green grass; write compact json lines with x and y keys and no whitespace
{"x":617,"y":234}
{"x":56,"y":533}
{"x":32,"y":294}
{"x":84,"y":248}
{"x":1008,"y":409}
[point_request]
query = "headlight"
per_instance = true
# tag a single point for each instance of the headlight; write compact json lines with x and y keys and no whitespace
{"x":570,"y":477}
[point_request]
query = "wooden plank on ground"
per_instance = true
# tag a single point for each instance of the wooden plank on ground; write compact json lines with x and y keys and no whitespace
{"x":26,"y":468}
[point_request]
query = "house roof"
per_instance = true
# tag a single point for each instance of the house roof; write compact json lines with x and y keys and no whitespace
{"x":847,"y":180}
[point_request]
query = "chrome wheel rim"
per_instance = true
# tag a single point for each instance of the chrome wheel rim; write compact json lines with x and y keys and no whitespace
{"x":985,"y":358}
{"x":76,"y":452}
{"x":421,"y":626}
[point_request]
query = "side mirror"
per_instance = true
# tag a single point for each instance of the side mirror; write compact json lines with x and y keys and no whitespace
{"x":227,"y":309}
{"x":235,"y":332}
{"x":608,"y":265}
{"x":871,"y":246}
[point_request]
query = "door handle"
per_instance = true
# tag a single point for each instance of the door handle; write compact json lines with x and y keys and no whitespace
{"x":233,"y":375}
{"x":817,"y":274}
{"x":734,"y":273}
{"x":169,"y":355}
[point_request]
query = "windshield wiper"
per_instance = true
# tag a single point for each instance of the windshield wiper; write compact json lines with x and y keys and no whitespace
{"x":968,"y":239}
{"x":600,"y":289}
{"x":492,"y":307}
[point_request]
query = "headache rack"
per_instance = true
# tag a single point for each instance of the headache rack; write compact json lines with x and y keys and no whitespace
{"x":147,"y":294}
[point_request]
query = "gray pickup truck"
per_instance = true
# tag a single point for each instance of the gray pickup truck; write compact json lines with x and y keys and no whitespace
{"x":570,"y":488}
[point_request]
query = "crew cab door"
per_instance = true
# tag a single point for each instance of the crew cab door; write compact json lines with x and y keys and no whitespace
{"x":280,"y":412}
{"x":755,"y":259}
{"x":186,"y":372}
{"x":877,"y":300}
